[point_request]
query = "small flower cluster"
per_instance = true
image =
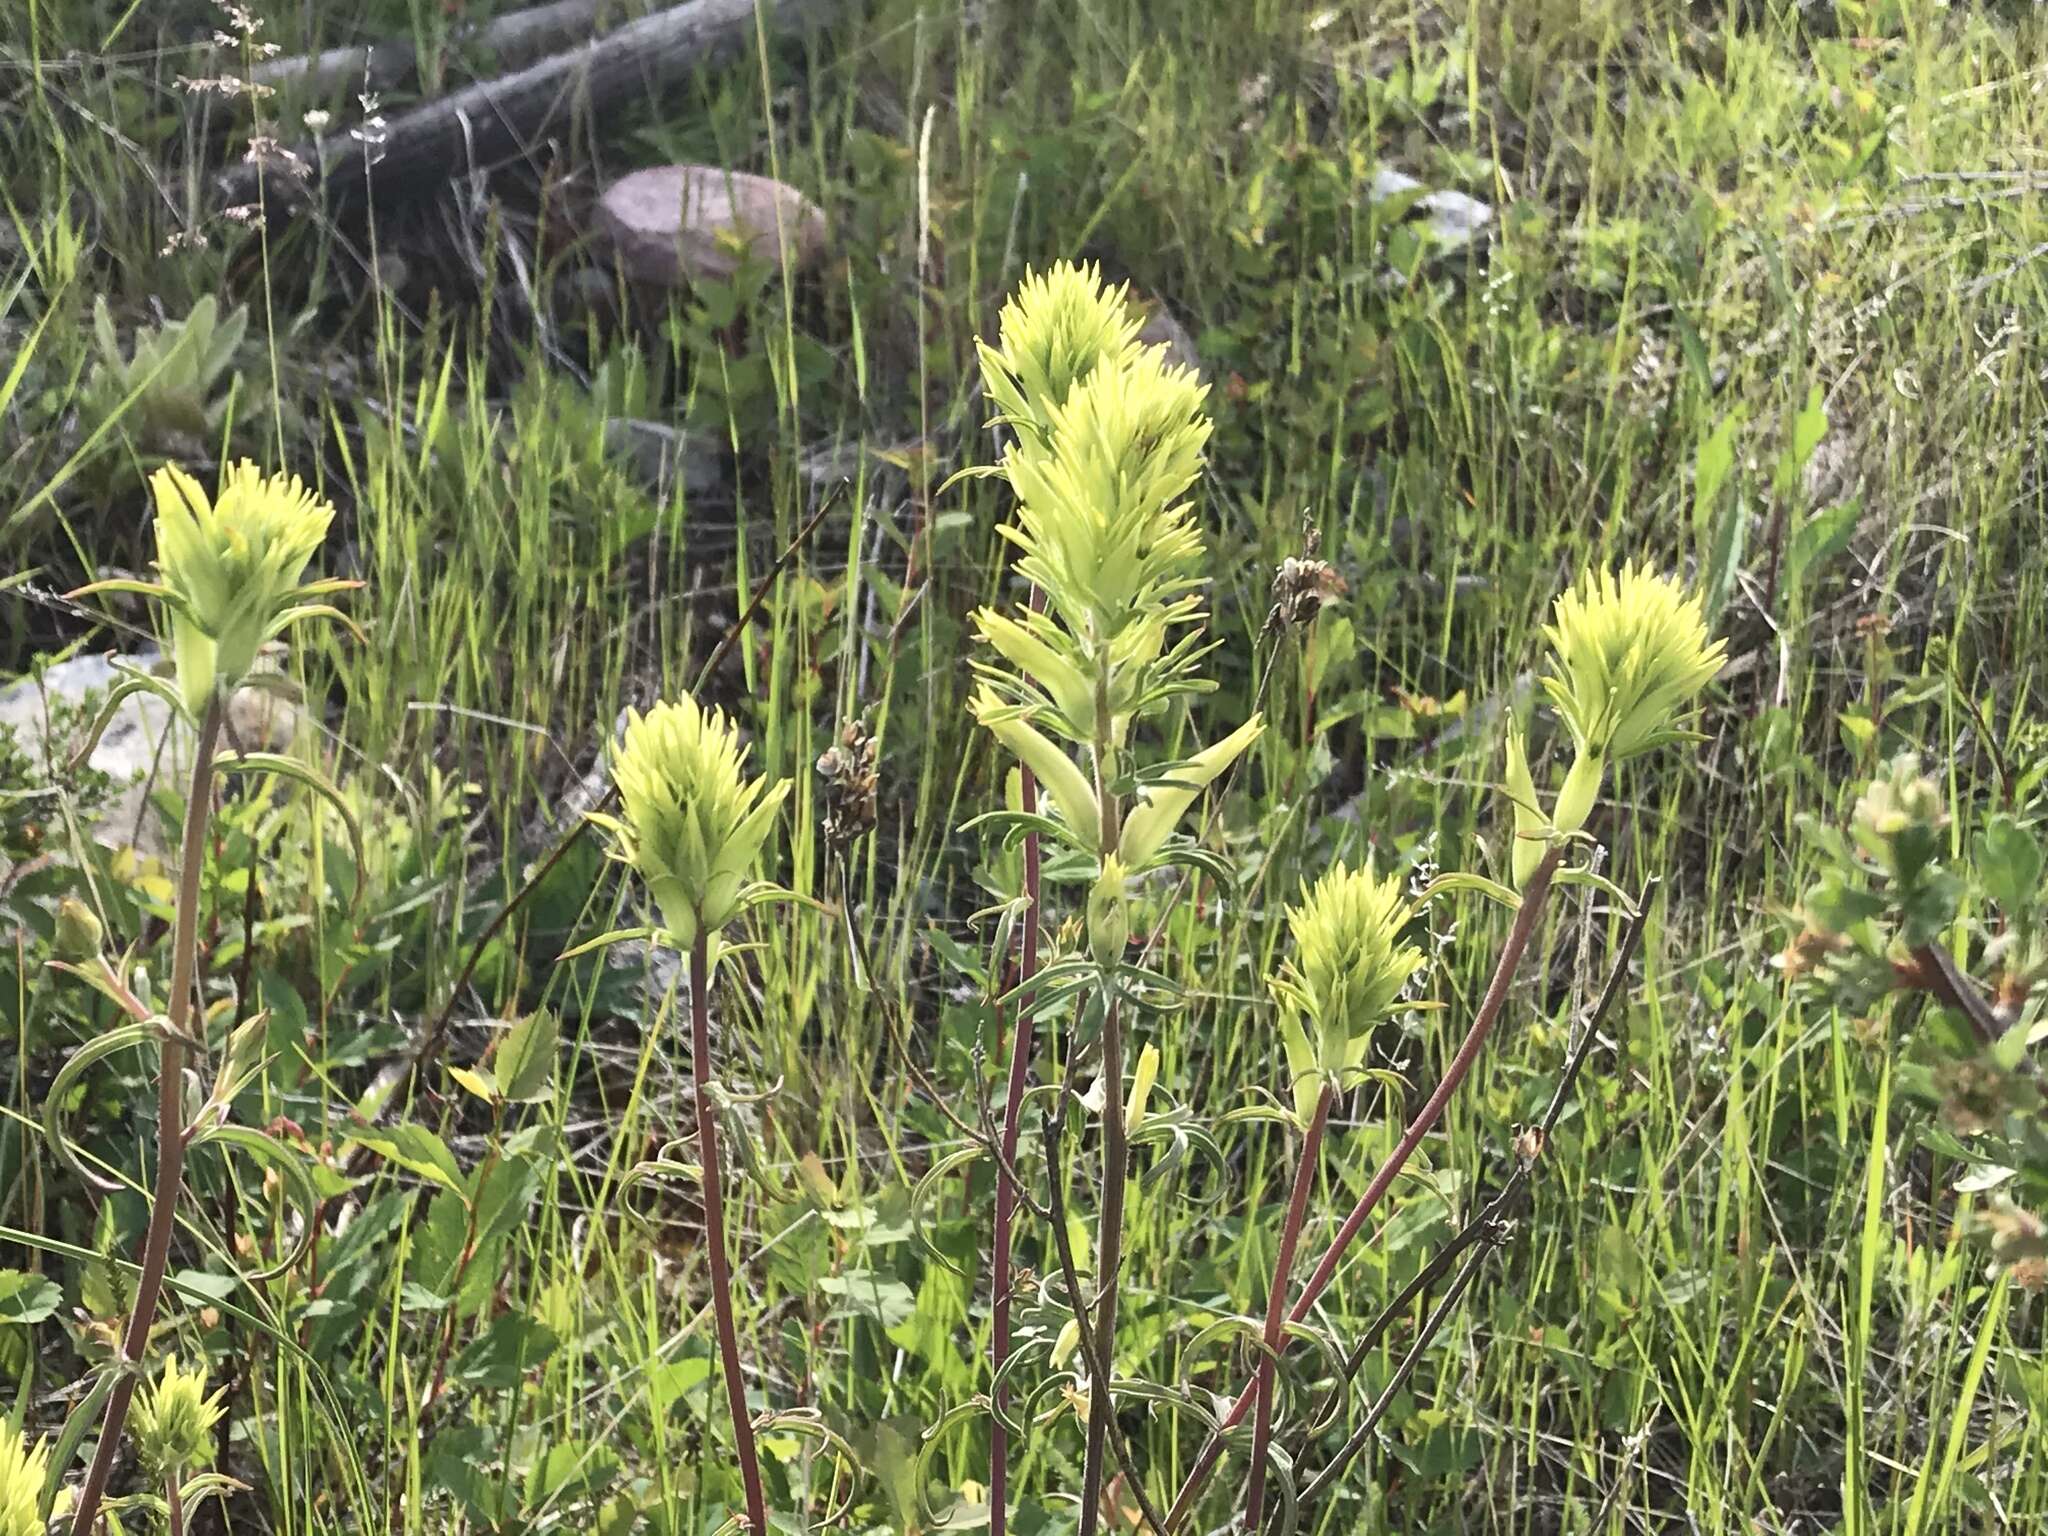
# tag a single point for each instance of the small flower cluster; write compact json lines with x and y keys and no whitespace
{"x":1345,"y":970}
{"x":229,"y":570}
{"x":174,"y":1421}
{"x":1904,"y":904}
{"x":1631,"y":653}
{"x":690,"y":820}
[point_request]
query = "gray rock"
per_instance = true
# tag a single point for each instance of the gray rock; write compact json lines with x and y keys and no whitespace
{"x":1454,"y":218}
{"x":1161,"y":329}
{"x":824,"y":465}
{"x":672,"y":225}
{"x":144,"y":746}
{"x":662,"y":457}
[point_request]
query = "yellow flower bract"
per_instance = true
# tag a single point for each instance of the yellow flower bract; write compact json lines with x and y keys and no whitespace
{"x":691,"y":821}
{"x":1632,"y":653}
{"x":174,"y":1420}
{"x":1344,"y":972}
{"x":23,"y":1470}
{"x":1101,"y":516}
{"x":1054,"y":329}
{"x":230,"y":567}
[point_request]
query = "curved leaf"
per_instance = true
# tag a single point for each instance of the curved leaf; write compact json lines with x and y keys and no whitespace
{"x":114,"y":1040}
{"x":291,"y":1170}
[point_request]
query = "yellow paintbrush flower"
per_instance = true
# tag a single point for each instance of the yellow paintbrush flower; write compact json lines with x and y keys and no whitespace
{"x":174,"y":1421}
{"x":1345,"y":969}
{"x":228,"y":570}
{"x":690,"y":820}
{"x":1632,"y":653}
{"x":1055,"y":328}
{"x":23,"y":1470}
{"x":1101,"y":519}
{"x":1109,"y":913}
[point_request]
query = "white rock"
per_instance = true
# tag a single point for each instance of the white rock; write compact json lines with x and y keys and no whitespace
{"x":143,"y":748}
{"x":1454,"y":218}
{"x":677,"y":224}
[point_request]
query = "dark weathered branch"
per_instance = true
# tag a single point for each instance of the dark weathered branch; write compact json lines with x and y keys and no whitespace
{"x":511,"y":40}
{"x":495,"y":120}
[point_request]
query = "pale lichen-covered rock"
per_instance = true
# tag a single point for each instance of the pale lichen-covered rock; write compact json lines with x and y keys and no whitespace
{"x":144,"y":747}
{"x":672,"y":225}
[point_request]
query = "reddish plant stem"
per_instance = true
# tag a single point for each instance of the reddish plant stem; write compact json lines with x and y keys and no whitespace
{"x":1109,"y":1258}
{"x":1523,"y":929}
{"x":1021,"y":1045}
{"x":170,"y":1128}
{"x":1276,"y":1305}
{"x":714,"y":1236}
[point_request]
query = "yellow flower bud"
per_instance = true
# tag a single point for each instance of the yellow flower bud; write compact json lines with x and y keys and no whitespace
{"x":78,"y":934}
{"x":1109,"y":914}
{"x":1142,"y":1082}
{"x":1530,"y":823}
{"x":1064,"y":1346}
{"x":1580,"y":791}
{"x":1344,"y":971}
{"x":174,"y":1421}
{"x":690,"y":820}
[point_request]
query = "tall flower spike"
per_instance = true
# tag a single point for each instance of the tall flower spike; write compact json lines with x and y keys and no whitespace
{"x":1346,"y":968}
{"x":229,"y":570}
{"x":690,"y":820}
{"x":1101,"y":517}
{"x":23,"y":1470}
{"x":1632,"y":653}
{"x":1055,"y":329}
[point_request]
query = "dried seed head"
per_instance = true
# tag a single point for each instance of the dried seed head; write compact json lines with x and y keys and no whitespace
{"x":1303,"y":585}
{"x":2019,"y":1241}
{"x":848,"y":770}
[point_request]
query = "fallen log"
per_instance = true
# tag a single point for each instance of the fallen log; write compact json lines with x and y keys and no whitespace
{"x":511,"y":40}
{"x":494,"y":120}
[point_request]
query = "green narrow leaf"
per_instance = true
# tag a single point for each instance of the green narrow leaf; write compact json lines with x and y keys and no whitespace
{"x":1724,"y":558}
{"x":525,"y":1063}
{"x":1819,"y":539}
{"x":1711,"y":464}
{"x":415,"y":1149}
